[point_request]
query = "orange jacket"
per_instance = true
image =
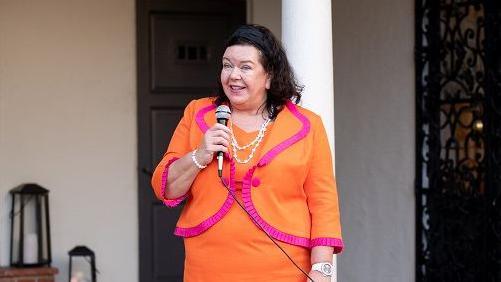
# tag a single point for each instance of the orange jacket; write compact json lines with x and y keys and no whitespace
{"x":291,"y":191}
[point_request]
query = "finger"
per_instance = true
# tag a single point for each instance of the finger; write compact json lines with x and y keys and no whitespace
{"x":220,"y":130}
{"x":221,"y":127}
{"x":221,"y":141}
{"x":218,"y":148}
{"x":221,"y":134}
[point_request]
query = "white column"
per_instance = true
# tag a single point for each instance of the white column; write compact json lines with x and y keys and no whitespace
{"x":307,"y":38}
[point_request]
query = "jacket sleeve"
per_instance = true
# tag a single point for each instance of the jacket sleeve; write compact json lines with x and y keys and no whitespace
{"x":321,"y":191}
{"x":178,"y":147}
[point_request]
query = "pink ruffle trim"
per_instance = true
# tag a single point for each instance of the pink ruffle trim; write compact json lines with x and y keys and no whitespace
{"x":277,"y":234}
{"x":266,"y":159}
{"x":170,"y":202}
{"x":272,"y":231}
{"x":206,"y":224}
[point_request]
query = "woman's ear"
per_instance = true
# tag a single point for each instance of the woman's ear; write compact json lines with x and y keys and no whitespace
{"x":268,"y":81}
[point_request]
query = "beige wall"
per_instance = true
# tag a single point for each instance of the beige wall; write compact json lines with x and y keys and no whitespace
{"x":68,"y":122}
{"x":267,"y":13}
{"x":374,"y":116}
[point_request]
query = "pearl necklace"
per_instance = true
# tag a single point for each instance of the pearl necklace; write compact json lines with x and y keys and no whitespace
{"x":254,"y":143}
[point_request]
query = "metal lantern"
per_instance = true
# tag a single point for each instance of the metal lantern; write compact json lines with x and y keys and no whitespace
{"x":30,"y":226}
{"x":83,"y":269}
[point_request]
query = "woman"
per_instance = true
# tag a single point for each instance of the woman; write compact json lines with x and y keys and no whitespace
{"x":277,"y":165}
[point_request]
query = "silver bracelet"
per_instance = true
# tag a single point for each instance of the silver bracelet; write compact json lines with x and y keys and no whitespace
{"x":195,"y":160}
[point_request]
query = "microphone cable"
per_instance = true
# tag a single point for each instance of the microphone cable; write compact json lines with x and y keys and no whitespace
{"x":262,"y":229}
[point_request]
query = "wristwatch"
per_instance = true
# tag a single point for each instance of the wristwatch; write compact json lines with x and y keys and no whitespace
{"x":326,"y":268}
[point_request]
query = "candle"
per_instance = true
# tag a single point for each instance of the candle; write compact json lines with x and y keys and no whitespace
{"x":77,"y":277}
{"x":30,"y":250}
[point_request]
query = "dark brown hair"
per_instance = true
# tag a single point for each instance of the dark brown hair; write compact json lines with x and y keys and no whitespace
{"x":283,"y":86}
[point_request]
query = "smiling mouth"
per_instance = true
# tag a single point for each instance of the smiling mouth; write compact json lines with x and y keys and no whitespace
{"x":233,"y":87}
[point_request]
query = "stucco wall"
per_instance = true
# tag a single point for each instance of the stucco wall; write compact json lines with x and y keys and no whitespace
{"x":374,"y":117}
{"x":68,"y":122}
{"x":267,"y":13}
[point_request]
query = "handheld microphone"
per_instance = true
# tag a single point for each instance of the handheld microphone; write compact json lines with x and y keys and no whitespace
{"x":223,"y":113}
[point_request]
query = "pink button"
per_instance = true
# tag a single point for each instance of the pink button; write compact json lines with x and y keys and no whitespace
{"x":256,"y":182}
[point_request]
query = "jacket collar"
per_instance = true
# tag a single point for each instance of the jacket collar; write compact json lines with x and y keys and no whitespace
{"x":289,"y":127}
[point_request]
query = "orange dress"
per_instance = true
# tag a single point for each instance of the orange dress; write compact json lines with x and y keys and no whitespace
{"x":235,"y":249}
{"x":288,"y":187}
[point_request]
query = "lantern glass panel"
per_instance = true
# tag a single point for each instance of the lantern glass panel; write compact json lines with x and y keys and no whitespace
{"x":81,"y":270}
{"x":15,"y":232}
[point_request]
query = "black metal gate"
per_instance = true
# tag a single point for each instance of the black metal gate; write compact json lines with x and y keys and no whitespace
{"x":458,"y":140}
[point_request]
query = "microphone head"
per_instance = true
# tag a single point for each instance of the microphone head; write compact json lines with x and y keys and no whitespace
{"x":223,"y":112}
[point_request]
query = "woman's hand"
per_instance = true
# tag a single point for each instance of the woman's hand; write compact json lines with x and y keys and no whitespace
{"x":216,"y":139}
{"x":318,"y":277}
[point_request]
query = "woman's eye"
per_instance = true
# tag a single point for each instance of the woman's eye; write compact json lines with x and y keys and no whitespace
{"x":246,"y":67}
{"x":226,"y":66}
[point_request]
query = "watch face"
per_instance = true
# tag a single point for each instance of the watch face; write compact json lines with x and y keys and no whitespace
{"x":327,"y":269}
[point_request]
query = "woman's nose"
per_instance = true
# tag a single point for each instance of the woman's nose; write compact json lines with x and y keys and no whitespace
{"x":235,"y":73}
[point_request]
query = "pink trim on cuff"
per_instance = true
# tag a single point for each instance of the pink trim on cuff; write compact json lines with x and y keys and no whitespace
{"x":272,"y":231}
{"x":331,"y":242}
{"x":170,"y":202}
{"x":266,"y":159}
{"x":200,"y":117}
{"x":206,"y":224}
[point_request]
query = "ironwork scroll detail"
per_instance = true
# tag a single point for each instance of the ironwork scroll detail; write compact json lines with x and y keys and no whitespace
{"x":458,"y":140}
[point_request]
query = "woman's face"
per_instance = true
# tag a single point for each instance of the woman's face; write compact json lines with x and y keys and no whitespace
{"x":243,"y":77}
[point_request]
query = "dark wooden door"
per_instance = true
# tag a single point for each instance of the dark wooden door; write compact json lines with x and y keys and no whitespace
{"x":179,"y":47}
